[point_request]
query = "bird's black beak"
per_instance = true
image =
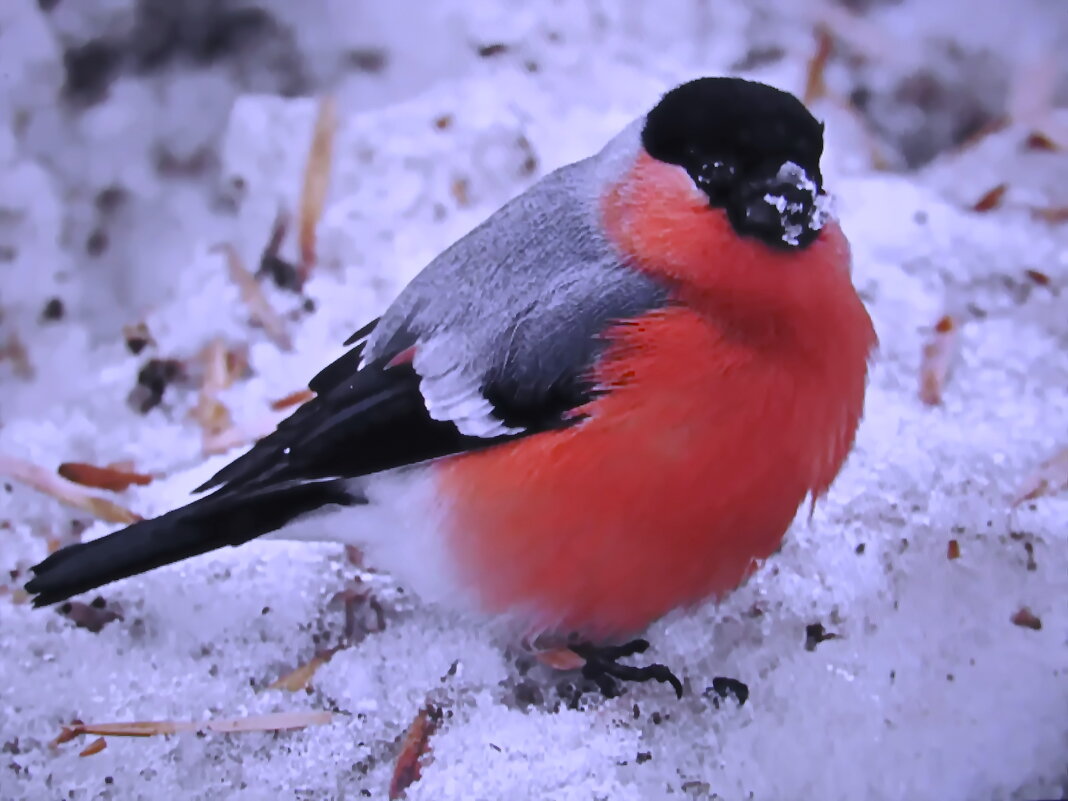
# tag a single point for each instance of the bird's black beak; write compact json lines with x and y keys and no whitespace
{"x":785,"y":211}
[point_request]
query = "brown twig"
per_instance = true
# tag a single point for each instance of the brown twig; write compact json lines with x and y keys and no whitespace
{"x":316,"y":183}
{"x":1051,"y":476}
{"x":211,"y":413}
{"x":112,"y":479}
{"x":991,"y":199}
{"x":414,"y":750}
{"x":95,"y":747}
{"x":64,"y":491}
{"x":272,"y":721}
{"x":298,"y":398}
{"x":251,"y":292}
{"x":815,"y":83}
{"x":937,"y":360}
{"x":300,"y":678}
{"x":363,"y":615}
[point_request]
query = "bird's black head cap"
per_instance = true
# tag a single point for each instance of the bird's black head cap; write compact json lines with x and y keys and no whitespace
{"x":736,"y":139}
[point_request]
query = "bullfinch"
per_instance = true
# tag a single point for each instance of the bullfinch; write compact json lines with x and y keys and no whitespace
{"x":605,"y":402}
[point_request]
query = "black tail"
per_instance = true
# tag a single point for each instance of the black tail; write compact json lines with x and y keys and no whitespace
{"x":228,"y":517}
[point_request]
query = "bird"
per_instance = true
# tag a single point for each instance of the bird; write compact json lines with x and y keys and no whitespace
{"x":606,"y":402}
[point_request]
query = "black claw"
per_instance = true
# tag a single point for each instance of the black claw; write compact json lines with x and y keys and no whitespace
{"x":603,"y":668}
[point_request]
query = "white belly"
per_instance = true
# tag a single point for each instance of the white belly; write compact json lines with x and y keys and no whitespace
{"x":400,"y":530}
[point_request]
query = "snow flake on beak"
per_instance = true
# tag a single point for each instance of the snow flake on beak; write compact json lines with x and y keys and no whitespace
{"x":799,"y":203}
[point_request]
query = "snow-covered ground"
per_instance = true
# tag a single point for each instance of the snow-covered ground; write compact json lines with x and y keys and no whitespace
{"x":134,"y":139}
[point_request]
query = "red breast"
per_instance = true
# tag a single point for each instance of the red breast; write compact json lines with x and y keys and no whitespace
{"x":727,"y":409}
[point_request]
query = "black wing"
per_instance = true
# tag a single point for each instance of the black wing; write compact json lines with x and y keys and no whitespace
{"x":366,"y":420}
{"x":360,"y":421}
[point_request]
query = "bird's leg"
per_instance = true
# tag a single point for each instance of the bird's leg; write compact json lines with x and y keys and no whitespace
{"x":602,"y":666}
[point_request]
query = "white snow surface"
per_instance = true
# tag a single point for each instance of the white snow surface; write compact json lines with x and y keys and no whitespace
{"x":928,"y":690}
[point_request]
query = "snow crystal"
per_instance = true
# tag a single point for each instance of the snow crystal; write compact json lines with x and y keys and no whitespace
{"x":795,"y":176}
{"x":878,"y":667}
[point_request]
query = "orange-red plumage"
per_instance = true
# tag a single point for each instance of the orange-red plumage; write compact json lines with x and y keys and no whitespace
{"x":727,"y":410}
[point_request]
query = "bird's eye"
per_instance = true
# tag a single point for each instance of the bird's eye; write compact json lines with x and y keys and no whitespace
{"x":714,"y":177}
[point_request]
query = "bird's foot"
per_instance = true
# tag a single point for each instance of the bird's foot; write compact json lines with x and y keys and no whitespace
{"x":601,"y":666}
